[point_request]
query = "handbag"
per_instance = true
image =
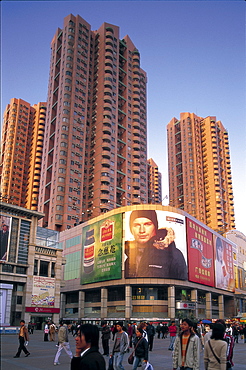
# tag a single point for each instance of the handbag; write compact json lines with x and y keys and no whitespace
{"x":131,"y":357}
{"x":228,"y":364}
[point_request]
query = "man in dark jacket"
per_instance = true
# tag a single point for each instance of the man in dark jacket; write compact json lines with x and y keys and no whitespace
{"x":151,"y":333}
{"x":87,"y":355}
{"x":105,"y":338}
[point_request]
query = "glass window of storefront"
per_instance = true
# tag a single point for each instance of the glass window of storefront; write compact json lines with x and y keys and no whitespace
{"x":93,"y":296}
{"x":72,"y":297}
{"x":183,"y":294}
{"x":215,"y":301}
{"x":116,"y":294}
{"x":149,"y":293}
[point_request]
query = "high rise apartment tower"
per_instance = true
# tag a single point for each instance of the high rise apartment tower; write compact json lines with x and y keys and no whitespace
{"x":21,"y":153}
{"x":95,"y":139}
{"x":199,"y":170}
{"x":154,"y":179}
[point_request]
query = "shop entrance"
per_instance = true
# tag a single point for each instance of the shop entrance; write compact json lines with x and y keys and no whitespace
{"x":39,"y":321}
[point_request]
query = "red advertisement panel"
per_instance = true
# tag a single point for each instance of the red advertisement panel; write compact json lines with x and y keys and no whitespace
{"x":43,"y":309}
{"x":223,"y":257}
{"x":200,"y":254}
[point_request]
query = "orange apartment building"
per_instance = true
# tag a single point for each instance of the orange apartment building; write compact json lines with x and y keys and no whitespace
{"x":200,"y":179}
{"x":95,"y":147}
{"x":21,"y":153}
{"x":154,"y":180}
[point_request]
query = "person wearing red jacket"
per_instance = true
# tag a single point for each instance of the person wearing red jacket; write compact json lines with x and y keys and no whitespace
{"x":172,"y":330}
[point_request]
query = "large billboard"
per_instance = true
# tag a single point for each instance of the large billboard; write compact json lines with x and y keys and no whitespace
{"x":5,"y":230}
{"x":155,"y":245}
{"x":102,"y":250}
{"x":224,"y":268}
{"x":43,"y":292}
{"x":200,"y":254}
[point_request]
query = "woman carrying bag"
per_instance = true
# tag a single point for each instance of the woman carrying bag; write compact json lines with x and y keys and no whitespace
{"x":141,"y":349}
{"x":215,"y":349}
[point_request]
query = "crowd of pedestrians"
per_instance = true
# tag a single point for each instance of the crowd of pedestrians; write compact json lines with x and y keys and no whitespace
{"x":187,"y":340}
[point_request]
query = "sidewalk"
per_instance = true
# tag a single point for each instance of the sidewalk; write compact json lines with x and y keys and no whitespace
{"x":43,"y":353}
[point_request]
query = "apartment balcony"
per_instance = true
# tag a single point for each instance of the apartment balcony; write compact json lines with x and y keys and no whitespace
{"x":106,"y":138}
{"x":106,"y":154}
{"x":136,"y":146}
{"x":136,"y":126}
{"x":105,"y":162}
{"x":106,"y":146}
{"x":104,"y":187}
{"x":136,"y":169}
{"x":105,"y":195}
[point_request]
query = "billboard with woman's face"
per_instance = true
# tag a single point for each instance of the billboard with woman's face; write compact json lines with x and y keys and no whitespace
{"x":155,"y":245}
{"x":224,"y":268}
{"x":5,"y":229}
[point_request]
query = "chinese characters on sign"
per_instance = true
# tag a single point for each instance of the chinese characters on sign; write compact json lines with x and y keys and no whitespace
{"x":102,"y":250}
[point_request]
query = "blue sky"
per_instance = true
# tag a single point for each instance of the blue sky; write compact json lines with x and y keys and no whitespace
{"x":193,"y":53}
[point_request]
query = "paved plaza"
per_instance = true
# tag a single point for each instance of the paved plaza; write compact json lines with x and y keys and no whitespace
{"x":43,"y":353}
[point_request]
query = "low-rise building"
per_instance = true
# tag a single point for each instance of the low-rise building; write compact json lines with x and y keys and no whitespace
{"x":30,"y":268}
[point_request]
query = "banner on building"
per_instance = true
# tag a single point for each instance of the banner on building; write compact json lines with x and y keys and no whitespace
{"x":102,"y":250}
{"x":155,"y":245}
{"x":43,"y":293}
{"x":200,"y":254}
{"x":224,"y":267}
{"x":5,"y":231}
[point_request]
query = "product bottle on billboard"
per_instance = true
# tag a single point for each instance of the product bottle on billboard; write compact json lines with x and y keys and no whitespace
{"x":89,"y":252}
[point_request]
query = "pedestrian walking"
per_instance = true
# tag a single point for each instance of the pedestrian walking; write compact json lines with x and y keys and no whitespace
{"x":46,"y":331}
{"x":130,"y":332}
{"x":230,"y":343}
{"x":121,"y":344}
{"x":141,"y":349}
{"x":143,"y":326}
{"x":106,"y":332}
{"x":244,"y":333}
{"x":29,"y":327}
{"x":164,"y":331}
{"x":186,"y":354}
{"x":215,"y":349}
{"x":172,"y":330}
{"x":207,"y":336}
{"x":52,"y":332}
{"x":63,"y":342}
{"x":158,"y":330}
{"x":87,"y":355}
{"x":113,"y":330}
{"x":23,"y":336}
{"x":235,"y":333}
{"x":150,"y":329}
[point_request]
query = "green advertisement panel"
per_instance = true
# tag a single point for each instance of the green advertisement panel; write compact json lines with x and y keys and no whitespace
{"x":102,"y":250}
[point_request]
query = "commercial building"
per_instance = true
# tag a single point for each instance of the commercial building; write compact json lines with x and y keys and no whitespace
{"x":30,"y":268}
{"x":239,"y":257}
{"x":199,"y":166}
{"x":95,"y":148}
{"x":154,"y":183}
{"x":110,"y":275}
{"x":21,"y":152}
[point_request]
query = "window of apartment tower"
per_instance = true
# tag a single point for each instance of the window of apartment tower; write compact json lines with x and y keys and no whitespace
{"x":44,"y":268}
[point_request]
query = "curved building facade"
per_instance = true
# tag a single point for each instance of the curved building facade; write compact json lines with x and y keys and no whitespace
{"x":148,"y":262}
